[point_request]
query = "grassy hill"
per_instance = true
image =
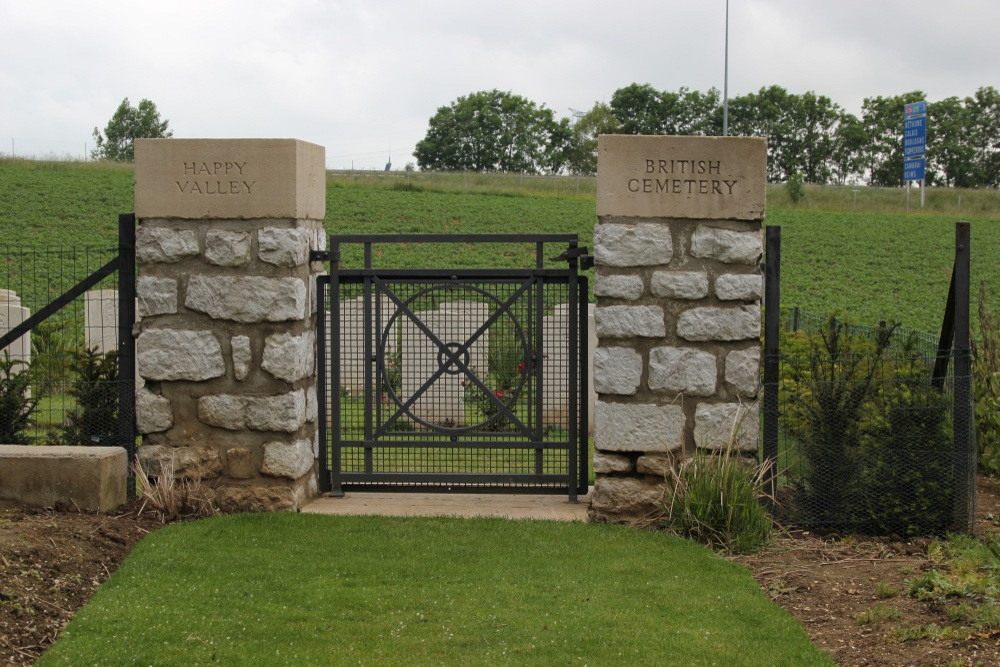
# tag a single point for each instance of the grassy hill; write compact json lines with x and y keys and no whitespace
{"x":861,"y":253}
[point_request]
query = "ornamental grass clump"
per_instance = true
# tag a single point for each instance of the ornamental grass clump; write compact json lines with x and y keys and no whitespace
{"x":717,"y":499}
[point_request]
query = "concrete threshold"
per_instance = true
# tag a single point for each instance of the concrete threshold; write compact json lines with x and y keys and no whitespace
{"x":468,"y":505}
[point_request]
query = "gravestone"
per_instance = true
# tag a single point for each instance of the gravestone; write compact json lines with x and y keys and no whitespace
{"x":226,"y":289}
{"x":677,"y":245}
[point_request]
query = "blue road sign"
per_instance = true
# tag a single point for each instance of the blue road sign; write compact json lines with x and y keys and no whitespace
{"x":913,"y":169}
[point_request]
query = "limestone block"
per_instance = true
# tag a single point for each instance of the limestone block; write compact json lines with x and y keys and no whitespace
{"x":247,"y":298}
{"x":607,"y":463}
{"x":287,"y":459}
{"x":683,"y":370}
{"x":716,"y":425}
{"x":156,"y":296}
{"x":289,"y":357}
{"x":627,"y":287}
{"x":704,"y":324}
{"x":641,"y":244}
{"x":227,"y":248}
{"x":660,"y":465}
{"x":638,"y":427}
{"x":726,"y":245}
{"x":719,"y":178}
{"x":743,"y":371}
{"x":258,"y":498}
{"x":240,"y":463}
{"x":284,"y":247}
{"x":624,"y":498}
{"x":183,"y":462}
{"x":152,"y":413}
{"x":739,"y":287}
{"x":170,"y":354}
{"x":628,"y":321}
{"x":312,"y":404}
{"x":680,"y":284}
{"x":91,"y":478}
{"x":284,"y":413}
{"x":164,"y":245}
{"x":242,"y":356}
{"x":617,"y":370}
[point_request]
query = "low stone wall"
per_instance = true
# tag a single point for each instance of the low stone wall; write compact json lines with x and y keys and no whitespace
{"x":91,"y":478}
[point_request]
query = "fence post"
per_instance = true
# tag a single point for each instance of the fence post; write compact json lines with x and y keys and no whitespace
{"x":126,"y":341}
{"x":772,"y":323}
{"x":965,"y":454}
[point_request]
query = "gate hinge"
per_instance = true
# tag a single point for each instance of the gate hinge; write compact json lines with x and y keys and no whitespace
{"x":319,"y":256}
{"x":580,"y":253}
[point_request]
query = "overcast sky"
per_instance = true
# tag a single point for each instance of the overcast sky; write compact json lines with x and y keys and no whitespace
{"x":363,"y":77}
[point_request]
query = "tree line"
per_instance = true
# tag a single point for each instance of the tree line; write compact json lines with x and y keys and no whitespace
{"x":809,"y":135}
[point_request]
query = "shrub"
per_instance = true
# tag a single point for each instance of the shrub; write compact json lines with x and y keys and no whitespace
{"x":716,"y":499}
{"x":95,"y":417}
{"x":51,"y":350}
{"x":986,"y":388}
{"x":16,"y":401}
{"x":834,"y":386}
{"x":795,"y":188}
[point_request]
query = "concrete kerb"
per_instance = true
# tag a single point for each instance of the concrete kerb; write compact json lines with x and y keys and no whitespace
{"x":553,"y":507}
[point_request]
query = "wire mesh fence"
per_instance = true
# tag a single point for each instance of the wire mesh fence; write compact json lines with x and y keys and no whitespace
{"x":869,"y":440}
{"x":59,"y":382}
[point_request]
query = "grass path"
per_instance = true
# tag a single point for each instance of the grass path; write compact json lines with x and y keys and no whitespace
{"x":304,"y":590}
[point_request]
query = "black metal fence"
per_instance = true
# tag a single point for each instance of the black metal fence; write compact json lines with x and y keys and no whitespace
{"x":870,"y":428}
{"x":453,"y":379}
{"x":67,"y":369}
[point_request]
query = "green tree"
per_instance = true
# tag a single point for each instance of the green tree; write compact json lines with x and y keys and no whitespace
{"x":582,"y":155}
{"x":127,"y":124}
{"x":950,"y":156}
{"x":849,"y":139}
{"x":983,"y":134}
{"x":642,"y":109}
{"x":493,"y":131}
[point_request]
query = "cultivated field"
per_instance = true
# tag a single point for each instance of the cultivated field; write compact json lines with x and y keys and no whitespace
{"x":853,"y":250}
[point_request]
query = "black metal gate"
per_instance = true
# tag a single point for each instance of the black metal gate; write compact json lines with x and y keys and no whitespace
{"x":453,"y":379}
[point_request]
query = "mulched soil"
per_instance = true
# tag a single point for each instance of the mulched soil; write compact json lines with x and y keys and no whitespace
{"x":51,"y":562}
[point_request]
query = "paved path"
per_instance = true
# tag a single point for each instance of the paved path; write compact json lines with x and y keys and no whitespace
{"x":511,"y":506}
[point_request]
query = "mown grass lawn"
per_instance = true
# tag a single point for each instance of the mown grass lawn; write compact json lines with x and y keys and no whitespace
{"x":293,"y":589}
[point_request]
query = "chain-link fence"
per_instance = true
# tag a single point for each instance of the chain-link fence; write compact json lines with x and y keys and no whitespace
{"x":60,"y":376}
{"x":872,"y":437}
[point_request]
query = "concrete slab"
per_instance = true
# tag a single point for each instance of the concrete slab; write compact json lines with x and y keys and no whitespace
{"x":468,"y":505}
{"x":92,"y":478}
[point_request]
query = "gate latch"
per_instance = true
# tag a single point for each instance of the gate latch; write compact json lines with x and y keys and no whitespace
{"x":580,"y":253}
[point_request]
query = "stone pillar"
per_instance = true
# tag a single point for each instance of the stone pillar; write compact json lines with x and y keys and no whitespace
{"x":226,"y":292}
{"x":677,"y":246}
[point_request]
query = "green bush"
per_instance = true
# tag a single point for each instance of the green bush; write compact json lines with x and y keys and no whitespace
{"x":795,"y":188}
{"x":986,"y":388}
{"x":95,"y":417}
{"x":906,"y":469}
{"x":826,"y":413}
{"x":17,"y":403}
{"x":873,"y":434}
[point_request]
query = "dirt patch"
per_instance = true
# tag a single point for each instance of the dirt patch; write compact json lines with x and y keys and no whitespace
{"x":849,"y":594}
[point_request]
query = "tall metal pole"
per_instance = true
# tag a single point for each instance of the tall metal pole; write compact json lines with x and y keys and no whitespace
{"x":725,"y":82}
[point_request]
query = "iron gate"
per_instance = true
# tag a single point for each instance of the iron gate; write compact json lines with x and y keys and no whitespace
{"x":453,"y":379}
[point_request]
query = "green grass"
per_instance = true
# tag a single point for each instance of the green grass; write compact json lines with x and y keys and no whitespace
{"x":308,"y":590}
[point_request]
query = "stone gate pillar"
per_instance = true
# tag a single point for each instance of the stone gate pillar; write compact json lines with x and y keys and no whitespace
{"x":226,"y":341}
{"x":677,"y":245}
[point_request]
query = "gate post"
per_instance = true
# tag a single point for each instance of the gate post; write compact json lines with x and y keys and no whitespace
{"x":677,"y":366}
{"x":226,"y":295}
